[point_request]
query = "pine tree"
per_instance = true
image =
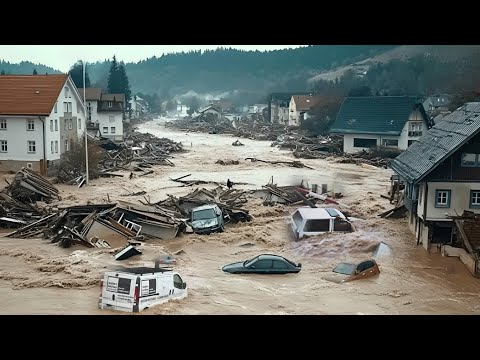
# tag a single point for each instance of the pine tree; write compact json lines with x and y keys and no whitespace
{"x":124,"y":83}
{"x":76,"y":73}
{"x":35,"y":72}
{"x":114,"y":85}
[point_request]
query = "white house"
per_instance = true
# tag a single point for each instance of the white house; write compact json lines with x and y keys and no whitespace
{"x":369,"y":121}
{"x":105,"y":113}
{"x":182,"y":110}
{"x":257,"y":108}
{"x":41,"y":116}
{"x":299,"y":106}
{"x":138,"y":106}
{"x":441,"y":174}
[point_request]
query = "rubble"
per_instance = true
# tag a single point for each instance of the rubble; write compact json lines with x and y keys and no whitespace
{"x":227,"y":162}
{"x":237,"y":143}
{"x":199,"y":182}
{"x":296,"y":164}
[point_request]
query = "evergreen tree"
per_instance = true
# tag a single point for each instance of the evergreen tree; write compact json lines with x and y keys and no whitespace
{"x":124,"y":83}
{"x":76,"y":73}
{"x":35,"y":72}
{"x":3,"y":72}
{"x":114,"y":85}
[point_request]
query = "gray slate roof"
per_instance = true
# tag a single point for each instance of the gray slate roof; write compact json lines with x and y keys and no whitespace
{"x":441,"y":141}
{"x":375,"y":114}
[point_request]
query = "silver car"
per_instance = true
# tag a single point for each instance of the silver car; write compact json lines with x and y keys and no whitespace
{"x":206,"y":219}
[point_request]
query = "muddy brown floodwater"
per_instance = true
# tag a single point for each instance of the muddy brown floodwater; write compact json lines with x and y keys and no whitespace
{"x":37,"y":277}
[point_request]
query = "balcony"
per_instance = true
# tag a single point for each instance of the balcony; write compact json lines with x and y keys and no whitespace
{"x":415,"y":133}
{"x":93,"y":126}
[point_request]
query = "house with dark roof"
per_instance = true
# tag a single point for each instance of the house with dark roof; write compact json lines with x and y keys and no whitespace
{"x":41,"y":117}
{"x":369,"y":121}
{"x":437,"y":104}
{"x":441,"y":174}
{"x":299,"y":106}
{"x":105,"y":113}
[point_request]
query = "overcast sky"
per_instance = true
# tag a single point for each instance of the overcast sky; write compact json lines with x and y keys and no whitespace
{"x":62,"y":57}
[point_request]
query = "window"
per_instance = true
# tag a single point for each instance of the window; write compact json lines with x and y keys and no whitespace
{"x":341,"y":225}
{"x":124,"y":286}
{"x":390,"y":142}
{"x":410,"y":142}
{"x":109,"y":104}
{"x":177,"y":281}
{"x":55,"y":108}
{"x":111,"y":119}
{"x":67,"y":107}
{"x":65,"y":145}
{"x":415,"y":129}
{"x":3,"y":146}
{"x":277,"y":264}
{"x":317,"y":225}
{"x":32,"y":149}
{"x":470,"y":160}
{"x":474,"y":198}
{"x":112,"y":130}
{"x":3,"y":124}
{"x":105,"y":130}
{"x":67,"y":92}
{"x":30,"y":125}
{"x":70,"y":124}
{"x":79,"y":123}
{"x":363,"y":266}
{"x":364,"y":143}
{"x":51,"y":146}
{"x":56,"y":125}
{"x":263,"y":264}
{"x":51,"y":125}
{"x":65,"y":124}
{"x":442,"y":198}
{"x":56,"y":146}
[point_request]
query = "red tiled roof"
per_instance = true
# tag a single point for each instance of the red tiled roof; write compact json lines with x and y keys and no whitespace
{"x":30,"y":94}
{"x":305,"y":102}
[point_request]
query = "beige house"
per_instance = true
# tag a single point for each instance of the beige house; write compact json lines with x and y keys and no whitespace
{"x":441,"y":174}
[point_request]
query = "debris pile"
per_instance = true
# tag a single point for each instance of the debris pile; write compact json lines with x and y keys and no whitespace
{"x":104,"y":225}
{"x":227,"y":162}
{"x":28,"y":187}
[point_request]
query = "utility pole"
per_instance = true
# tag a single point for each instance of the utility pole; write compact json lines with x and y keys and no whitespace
{"x":85,"y":129}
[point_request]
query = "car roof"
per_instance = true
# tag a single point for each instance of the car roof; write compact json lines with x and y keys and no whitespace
{"x":356,"y":263}
{"x":319,"y":213}
{"x":270,"y":257}
{"x":204,"y":207}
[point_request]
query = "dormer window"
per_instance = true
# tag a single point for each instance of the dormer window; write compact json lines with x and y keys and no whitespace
{"x":110,"y":104}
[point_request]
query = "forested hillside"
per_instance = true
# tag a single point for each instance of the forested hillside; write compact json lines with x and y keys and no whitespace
{"x":25,"y":67}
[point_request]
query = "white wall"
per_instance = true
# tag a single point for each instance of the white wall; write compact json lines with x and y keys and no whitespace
{"x":17,"y":138}
{"x":460,"y":199}
{"x":104,"y":121}
{"x":414,"y":117}
{"x":292,"y":114}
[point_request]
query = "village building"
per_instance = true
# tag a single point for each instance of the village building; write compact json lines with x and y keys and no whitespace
{"x":105,"y":113}
{"x":138,"y":107}
{"x":299,"y":107}
{"x":441,"y":175}
{"x":41,"y":118}
{"x":370,"y":121}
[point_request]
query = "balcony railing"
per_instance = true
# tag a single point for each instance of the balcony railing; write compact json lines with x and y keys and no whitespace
{"x":415,"y":133}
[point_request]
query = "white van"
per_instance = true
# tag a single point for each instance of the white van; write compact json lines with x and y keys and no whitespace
{"x":307,"y":221}
{"x":136,"y":289}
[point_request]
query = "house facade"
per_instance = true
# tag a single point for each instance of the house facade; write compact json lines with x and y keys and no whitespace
{"x":299,"y":106}
{"x":138,"y":107}
{"x":105,"y":113}
{"x":41,"y":118}
{"x":369,"y":121}
{"x":437,"y":104}
{"x":441,"y":173}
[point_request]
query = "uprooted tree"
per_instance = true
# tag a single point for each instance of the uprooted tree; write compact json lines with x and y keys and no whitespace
{"x":72,"y":163}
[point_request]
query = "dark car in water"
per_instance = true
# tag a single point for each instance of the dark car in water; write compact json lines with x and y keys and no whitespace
{"x":264,"y":264}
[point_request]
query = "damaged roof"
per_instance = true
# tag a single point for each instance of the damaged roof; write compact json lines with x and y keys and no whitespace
{"x":440,"y":142}
{"x":375,"y":114}
{"x":30,"y":94}
{"x":306,"y":102}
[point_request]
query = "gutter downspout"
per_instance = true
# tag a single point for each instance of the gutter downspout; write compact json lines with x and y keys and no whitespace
{"x":43,"y":171}
{"x":424,"y":210}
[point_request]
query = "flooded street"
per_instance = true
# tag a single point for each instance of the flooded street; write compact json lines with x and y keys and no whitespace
{"x":37,"y":277}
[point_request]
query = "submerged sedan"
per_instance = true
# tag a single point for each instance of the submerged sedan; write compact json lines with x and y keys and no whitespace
{"x":264,"y":264}
{"x":344,"y":272}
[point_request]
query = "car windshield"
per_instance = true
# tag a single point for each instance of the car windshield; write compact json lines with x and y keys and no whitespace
{"x":203,"y":214}
{"x":250,"y":262}
{"x":345,"y":268}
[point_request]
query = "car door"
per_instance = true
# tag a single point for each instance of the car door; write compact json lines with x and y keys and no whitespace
{"x":263,"y":266}
{"x":280,"y":267}
{"x":365,"y":269}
